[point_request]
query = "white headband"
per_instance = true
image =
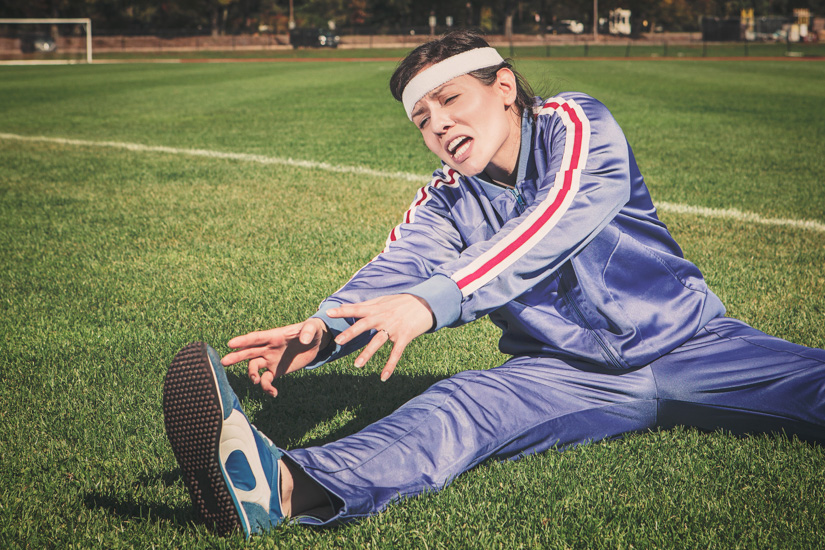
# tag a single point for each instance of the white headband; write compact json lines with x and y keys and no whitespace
{"x":435,"y":75}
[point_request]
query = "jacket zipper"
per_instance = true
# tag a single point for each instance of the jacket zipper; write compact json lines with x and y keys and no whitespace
{"x":605,"y":348}
{"x":519,"y":200}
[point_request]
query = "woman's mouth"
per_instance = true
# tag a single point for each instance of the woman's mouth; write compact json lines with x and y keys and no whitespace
{"x":459,"y":146}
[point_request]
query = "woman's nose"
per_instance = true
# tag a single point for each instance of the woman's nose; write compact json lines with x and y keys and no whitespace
{"x":441,"y":121}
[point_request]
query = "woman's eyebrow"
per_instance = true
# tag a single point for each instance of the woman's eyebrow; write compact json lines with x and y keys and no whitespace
{"x":418,"y":111}
{"x":437,"y":91}
{"x":429,"y":95}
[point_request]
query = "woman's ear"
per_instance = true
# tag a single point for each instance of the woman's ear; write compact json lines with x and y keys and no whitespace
{"x":507,"y":86}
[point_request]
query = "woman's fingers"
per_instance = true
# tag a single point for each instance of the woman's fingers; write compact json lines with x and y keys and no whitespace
{"x":308,"y":333}
{"x":266,"y":383}
{"x":381,"y":337}
{"x":395,"y":356}
{"x":245,"y":354}
{"x":275,"y":352}
{"x":359,"y":327}
{"x":254,"y":368}
{"x":398,"y":318}
{"x":368,"y":319}
{"x":255,"y":339}
{"x":256,"y":344}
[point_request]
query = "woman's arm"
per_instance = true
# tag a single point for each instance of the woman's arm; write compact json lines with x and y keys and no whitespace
{"x":585,"y":159}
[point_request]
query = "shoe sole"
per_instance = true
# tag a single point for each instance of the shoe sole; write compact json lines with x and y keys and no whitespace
{"x":193,"y":416}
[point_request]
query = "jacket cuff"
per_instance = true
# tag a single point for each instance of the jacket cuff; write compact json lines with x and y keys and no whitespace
{"x":336,"y":326}
{"x":443,"y":296}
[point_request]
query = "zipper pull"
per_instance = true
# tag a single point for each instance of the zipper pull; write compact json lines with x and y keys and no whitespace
{"x":519,"y":200}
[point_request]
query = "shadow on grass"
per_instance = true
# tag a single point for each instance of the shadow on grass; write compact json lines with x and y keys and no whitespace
{"x":307,"y":401}
{"x":304,"y":402}
{"x":132,"y":509}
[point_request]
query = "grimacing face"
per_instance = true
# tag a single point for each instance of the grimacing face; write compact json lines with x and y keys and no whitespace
{"x":470,"y":126}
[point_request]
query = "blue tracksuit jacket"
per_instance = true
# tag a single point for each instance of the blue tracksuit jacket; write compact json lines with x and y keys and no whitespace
{"x":573,"y":262}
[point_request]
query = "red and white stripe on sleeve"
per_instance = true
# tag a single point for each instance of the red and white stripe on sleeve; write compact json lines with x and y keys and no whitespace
{"x":423,"y":196}
{"x":547,"y":214}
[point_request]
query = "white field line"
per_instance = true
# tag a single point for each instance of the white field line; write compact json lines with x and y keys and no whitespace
{"x":244,"y":157}
{"x":727,"y":213}
{"x":734,"y":214}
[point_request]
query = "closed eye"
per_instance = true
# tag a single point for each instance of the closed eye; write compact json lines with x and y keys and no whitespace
{"x":423,"y":122}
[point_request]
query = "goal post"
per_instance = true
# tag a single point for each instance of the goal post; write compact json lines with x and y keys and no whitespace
{"x":86,"y":23}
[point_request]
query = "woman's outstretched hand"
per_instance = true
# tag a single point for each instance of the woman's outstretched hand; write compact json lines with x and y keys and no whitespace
{"x":278,"y":351}
{"x":398,"y":318}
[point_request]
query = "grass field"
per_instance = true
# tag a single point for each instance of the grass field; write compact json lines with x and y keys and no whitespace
{"x":114,"y":258}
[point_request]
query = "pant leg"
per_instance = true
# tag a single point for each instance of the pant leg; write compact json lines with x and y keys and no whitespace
{"x":728,"y":376}
{"x":525,"y":406}
{"x":734,"y":377}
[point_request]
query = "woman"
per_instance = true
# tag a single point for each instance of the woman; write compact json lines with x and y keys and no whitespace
{"x":540,"y":219}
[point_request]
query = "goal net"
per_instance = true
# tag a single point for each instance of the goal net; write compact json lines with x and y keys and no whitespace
{"x":45,"y":41}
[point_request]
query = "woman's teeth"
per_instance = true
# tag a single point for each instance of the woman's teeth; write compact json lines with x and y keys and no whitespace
{"x":459,"y":146}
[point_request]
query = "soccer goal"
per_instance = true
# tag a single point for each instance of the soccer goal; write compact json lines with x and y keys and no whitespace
{"x":45,"y":41}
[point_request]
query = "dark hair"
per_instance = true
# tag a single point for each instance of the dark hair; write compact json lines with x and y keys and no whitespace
{"x":449,"y":45}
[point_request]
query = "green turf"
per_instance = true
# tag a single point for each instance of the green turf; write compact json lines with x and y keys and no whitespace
{"x":115,"y":259}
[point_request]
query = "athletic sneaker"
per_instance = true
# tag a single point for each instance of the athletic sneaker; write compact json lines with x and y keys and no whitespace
{"x":229,"y":467}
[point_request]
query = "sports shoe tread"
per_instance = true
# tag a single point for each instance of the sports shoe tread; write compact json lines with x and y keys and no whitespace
{"x":193,"y":417}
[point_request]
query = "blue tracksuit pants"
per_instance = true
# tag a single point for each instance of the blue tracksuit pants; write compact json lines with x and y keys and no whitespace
{"x":729,"y":376}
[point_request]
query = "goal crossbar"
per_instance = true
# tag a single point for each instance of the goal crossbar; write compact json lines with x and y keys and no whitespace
{"x":86,"y":22}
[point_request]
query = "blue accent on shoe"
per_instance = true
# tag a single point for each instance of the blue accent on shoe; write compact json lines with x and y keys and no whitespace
{"x":238,"y":470}
{"x":265,"y":449}
{"x":228,"y":397}
{"x":259,"y":520}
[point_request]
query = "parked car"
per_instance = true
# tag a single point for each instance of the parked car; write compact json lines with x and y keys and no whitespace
{"x":566,"y":26}
{"x":313,"y":38}
{"x":37,"y":43}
